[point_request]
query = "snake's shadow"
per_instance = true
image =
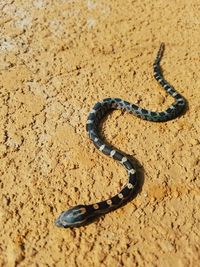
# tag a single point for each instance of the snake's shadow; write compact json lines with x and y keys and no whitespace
{"x":137,"y":166}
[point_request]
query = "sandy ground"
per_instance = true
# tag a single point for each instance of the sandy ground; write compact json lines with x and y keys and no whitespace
{"x":57,"y":58}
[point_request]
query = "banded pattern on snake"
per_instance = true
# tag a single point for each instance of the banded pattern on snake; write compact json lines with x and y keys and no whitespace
{"x":83,"y":214}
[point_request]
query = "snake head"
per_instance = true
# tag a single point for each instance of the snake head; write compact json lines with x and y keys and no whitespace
{"x":75,"y":216}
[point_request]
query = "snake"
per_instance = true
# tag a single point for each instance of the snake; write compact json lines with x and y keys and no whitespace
{"x":81,"y":215}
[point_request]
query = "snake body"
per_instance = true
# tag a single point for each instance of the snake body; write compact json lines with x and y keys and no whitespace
{"x":82,"y":214}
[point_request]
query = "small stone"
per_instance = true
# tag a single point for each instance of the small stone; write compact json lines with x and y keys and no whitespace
{"x":194,"y":141}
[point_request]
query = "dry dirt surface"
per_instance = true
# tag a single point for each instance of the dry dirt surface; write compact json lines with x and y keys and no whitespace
{"x":57,"y":58}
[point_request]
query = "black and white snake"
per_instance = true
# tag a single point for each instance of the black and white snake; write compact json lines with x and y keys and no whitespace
{"x":83,"y":214}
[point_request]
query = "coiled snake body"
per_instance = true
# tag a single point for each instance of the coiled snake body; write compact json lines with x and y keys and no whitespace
{"x":82,"y":214}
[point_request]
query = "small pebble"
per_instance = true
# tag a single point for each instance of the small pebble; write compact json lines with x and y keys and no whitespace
{"x":145,"y":195}
{"x":194,"y":141}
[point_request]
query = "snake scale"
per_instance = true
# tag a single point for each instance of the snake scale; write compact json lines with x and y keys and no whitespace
{"x":83,"y":214}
